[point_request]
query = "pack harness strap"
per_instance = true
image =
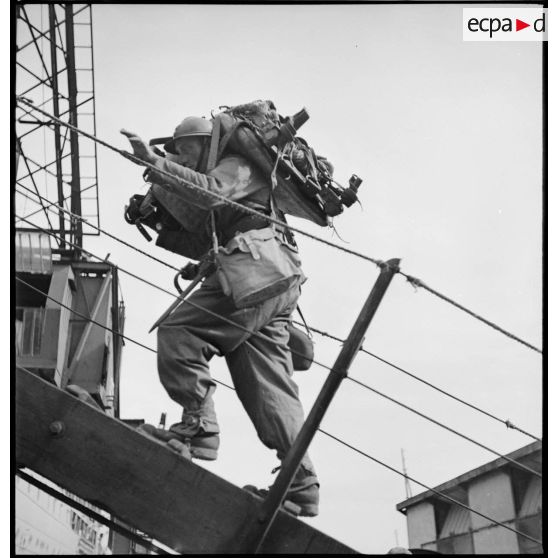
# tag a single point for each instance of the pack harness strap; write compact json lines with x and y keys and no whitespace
{"x":304,"y":321}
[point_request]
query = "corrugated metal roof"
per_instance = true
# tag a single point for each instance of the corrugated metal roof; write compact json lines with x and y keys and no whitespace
{"x":33,"y":252}
{"x":532,"y":501}
{"x":457,"y":521}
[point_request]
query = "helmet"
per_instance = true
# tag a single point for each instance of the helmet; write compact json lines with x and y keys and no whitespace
{"x":190,"y":126}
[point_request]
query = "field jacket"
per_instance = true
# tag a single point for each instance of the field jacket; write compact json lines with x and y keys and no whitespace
{"x":257,"y":262}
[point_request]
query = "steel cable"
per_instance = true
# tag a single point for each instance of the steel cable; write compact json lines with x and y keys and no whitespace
{"x":257,"y":334}
{"x":319,"y":429}
{"x":418,"y":283}
{"x":154,"y":258}
{"x":197,"y":188}
{"x":380,"y":263}
{"x":269,"y":340}
{"x":414,"y":281}
{"x":89,"y":319}
{"x":506,"y":422}
{"x":434,"y":421}
{"x":405,"y":475}
{"x":433,"y":490}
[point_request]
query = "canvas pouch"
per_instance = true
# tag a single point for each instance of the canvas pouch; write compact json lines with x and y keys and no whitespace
{"x":256,"y":265}
{"x":302,"y":348}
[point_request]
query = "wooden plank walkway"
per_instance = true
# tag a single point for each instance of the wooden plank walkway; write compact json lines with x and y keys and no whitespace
{"x":146,"y":485}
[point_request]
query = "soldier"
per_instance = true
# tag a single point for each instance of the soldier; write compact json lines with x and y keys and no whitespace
{"x":257,"y":288}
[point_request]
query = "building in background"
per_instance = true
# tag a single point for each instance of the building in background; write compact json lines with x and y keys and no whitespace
{"x":499,"y":490}
{"x":45,"y":525}
{"x":68,"y":319}
{"x":59,"y":343}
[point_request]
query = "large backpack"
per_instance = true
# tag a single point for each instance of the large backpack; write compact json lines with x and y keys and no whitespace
{"x":302,"y":181}
{"x":303,"y":184}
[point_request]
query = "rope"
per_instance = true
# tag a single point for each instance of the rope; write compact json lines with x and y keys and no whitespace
{"x":433,"y":490}
{"x":199,"y":189}
{"x":416,"y":282}
{"x":397,"y":402}
{"x":507,"y":423}
{"x":269,"y":340}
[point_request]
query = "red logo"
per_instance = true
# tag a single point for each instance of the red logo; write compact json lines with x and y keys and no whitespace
{"x":519,"y":25}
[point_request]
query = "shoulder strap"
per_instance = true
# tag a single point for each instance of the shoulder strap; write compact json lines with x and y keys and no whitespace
{"x":214,"y":146}
{"x":304,"y":321}
{"x":211,"y":162}
{"x":276,"y":213}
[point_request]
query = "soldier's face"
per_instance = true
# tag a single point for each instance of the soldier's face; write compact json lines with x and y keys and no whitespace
{"x":189,"y":150}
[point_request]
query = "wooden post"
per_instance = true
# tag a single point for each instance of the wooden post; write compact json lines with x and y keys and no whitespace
{"x":252,"y":542}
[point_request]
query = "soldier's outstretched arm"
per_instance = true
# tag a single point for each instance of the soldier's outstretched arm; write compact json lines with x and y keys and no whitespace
{"x":141,"y":148}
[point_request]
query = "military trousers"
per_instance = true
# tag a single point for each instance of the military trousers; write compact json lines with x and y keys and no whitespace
{"x":260,"y":366}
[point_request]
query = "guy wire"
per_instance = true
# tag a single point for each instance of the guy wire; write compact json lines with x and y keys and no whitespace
{"x":416,"y":282}
{"x":260,"y":335}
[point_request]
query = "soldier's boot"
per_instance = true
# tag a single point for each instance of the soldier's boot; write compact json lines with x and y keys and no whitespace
{"x":190,"y":440}
{"x":304,"y":493}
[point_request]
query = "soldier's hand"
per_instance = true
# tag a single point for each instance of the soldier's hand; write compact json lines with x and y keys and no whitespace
{"x":140,"y":147}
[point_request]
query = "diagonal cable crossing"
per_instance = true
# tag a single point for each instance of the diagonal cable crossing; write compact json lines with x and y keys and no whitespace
{"x":430,"y":489}
{"x":508,"y":423}
{"x":461,"y":435}
{"x":199,"y":189}
{"x":269,"y":340}
{"x":73,"y":215}
{"x":370,"y":457}
{"x":416,"y":282}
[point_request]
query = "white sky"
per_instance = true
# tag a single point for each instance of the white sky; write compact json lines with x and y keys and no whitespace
{"x":446,"y":135}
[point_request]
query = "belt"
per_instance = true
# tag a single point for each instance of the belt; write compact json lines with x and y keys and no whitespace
{"x":245,"y":224}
